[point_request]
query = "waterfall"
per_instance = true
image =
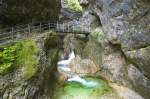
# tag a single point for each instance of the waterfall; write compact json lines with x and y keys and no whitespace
{"x":84,"y":82}
{"x":66,"y":62}
{"x":63,"y":65}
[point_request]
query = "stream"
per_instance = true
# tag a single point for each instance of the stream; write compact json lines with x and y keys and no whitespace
{"x":76,"y":87}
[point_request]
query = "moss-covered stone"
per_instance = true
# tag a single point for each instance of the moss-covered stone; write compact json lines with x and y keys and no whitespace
{"x":93,"y":48}
{"x":27,"y":58}
{"x":22,"y":55}
{"x":74,"y":5}
{"x":51,"y":40}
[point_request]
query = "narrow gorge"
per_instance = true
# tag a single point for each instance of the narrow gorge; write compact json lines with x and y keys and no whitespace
{"x":75,"y":49}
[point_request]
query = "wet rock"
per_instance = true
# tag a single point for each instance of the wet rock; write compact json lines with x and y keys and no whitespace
{"x":125,"y":93}
{"x":83,"y":66}
{"x":114,"y":65}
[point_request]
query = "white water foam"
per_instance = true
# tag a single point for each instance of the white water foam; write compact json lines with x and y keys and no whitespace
{"x":66,"y":62}
{"x":83,"y":81}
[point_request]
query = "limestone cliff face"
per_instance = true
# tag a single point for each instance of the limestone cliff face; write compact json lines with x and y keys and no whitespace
{"x":124,"y":46}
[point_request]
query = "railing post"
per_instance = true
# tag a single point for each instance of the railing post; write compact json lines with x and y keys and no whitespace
{"x":81,"y":27}
{"x":57,"y":26}
{"x":40,"y":27}
{"x":29,"y":30}
{"x":49,"y":27}
{"x":63,"y":26}
{"x":68,"y":28}
{"x":12,"y":32}
{"x":73,"y":28}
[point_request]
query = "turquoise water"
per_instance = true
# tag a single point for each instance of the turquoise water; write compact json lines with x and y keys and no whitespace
{"x":77,"y":90}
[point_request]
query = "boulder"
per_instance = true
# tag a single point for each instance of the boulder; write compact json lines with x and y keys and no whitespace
{"x":83,"y":66}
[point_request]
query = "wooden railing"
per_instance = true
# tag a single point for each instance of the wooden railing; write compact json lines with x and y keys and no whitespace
{"x":9,"y":35}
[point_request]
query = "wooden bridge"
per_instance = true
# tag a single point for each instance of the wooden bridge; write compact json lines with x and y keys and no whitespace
{"x":13,"y":34}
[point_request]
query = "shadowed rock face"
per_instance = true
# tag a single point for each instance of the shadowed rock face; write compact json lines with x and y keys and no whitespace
{"x":19,"y":12}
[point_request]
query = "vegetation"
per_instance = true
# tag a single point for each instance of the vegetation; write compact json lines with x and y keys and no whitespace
{"x":74,"y":5}
{"x":27,"y":58}
{"x":97,"y":34}
{"x":7,"y":58}
{"x":21,"y":55}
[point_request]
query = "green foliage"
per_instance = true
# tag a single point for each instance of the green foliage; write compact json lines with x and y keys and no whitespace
{"x":7,"y":58}
{"x":22,"y":55}
{"x":74,"y":5}
{"x":27,"y":58}
{"x":97,"y":33}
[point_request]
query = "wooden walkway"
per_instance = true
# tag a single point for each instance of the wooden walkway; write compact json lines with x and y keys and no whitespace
{"x":13,"y":34}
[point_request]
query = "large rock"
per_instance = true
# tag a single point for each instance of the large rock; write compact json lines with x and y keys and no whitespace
{"x":83,"y":66}
{"x":141,"y":59}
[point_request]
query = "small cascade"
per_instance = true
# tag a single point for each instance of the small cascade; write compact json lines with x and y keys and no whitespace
{"x":63,"y":66}
{"x":66,"y":62}
{"x":84,"y":82}
{"x":77,"y":87}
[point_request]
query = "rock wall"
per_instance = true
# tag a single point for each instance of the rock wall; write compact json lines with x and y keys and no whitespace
{"x":124,"y":46}
{"x":40,"y":86}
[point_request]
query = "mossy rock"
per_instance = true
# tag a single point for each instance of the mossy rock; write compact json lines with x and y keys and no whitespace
{"x":27,"y":58}
{"x":52,"y":40}
{"x":23,"y":55}
{"x":74,"y":5}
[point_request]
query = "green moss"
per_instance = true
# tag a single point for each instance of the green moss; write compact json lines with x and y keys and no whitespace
{"x":7,"y":57}
{"x":22,"y":55}
{"x":74,"y":5}
{"x":97,"y":34}
{"x":27,"y":58}
{"x":52,"y":40}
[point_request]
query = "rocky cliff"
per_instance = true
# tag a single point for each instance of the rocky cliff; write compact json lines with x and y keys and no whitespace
{"x":117,"y":49}
{"x":121,"y":46}
{"x":31,"y":74}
